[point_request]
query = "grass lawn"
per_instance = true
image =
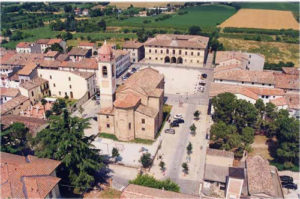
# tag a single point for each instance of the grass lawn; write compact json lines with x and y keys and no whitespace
{"x":204,"y":16}
{"x":106,"y":193}
{"x":273,"y":51}
{"x":260,"y":147}
{"x":136,"y":140}
{"x":108,"y":136}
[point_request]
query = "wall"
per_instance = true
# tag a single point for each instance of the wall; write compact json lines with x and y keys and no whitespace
{"x":145,"y":130}
{"x":190,"y":57}
{"x":123,"y":119}
{"x":23,"y":50}
{"x":60,"y":85}
{"x":4,"y":99}
{"x":33,"y":94}
{"x":103,"y":120}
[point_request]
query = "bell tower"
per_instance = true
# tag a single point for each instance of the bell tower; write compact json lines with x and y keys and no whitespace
{"x":107,"y":76}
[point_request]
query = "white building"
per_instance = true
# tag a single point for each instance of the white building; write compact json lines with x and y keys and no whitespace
{"x":73,"y":84}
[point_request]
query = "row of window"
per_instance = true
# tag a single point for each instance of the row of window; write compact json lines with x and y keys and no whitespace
{"x":129,"y":124}
{"x":174,"y":52}
{"x":251,"y":83}
{"x":54,"y":85}
{"x":185,"y":60}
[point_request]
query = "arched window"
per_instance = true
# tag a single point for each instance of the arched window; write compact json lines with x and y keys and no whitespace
{"x":173,"y":60}
{"x":104,"y":71}
{"x":167,"y":59}
{"x":179,"y":60}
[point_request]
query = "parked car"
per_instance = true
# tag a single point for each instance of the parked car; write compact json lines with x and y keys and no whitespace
{"x":291,"y":186}
{"x":207,"y":136}
{"x":286,"y":178}
{"x":174,"y":124}
{"x":204,"y":75}
{"x":133,"y":70}
{"x":179,"y":121}
{"x":202,"y":83}
{"x":171,"y":131}
{"x":178,"y":116}
{"x":95,"y":118}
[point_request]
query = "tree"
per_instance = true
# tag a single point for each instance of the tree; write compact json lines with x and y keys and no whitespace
{"x":196,"y":114}
{"x":189,"y":148}
{"x":146,"y":160}
{"x":245,"y":114}
{"x":68,"y":8}
{"x":224,"y":105}
{"x":193,"y":128}
{"x":102,"y":24}
{"x":162,"y":165}
{"x":81,"y":110}
{"x":66,"y":36}
{"x":115,"y":153}
{"x":141,"y":34}
{"x":65,"y":141}
{"x":15,"y":139}
{"x":260,"y":106}
{"x":271,"y":111}
{"x":48,"y":113}
{"x":287,"y":151}
{"x":194,"y":30}
{"x":248,"y":135}
{"x":185,"y":168}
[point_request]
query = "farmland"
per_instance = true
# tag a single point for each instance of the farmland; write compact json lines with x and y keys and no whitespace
{"x":268,"y":19}
{"x":124,"y":5}
{"x":273,"y":51}
{"x":203,"y":16}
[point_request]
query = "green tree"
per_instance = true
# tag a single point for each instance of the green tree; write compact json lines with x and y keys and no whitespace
{"x":245,"y":114}
{"x":115,"y":153}
{"x":193,"y":128}
{"x":189,"y":148}
{"x":102,"y":24}
{"x":162,"y":165}
{"x":146,"y":160}
{"x":271,"y":111}
{"x":15,"y":139}
{"x":185,"y":168}
{"x":287,"y":151}
{"x":58,"y":106}
{"x":248,"y":135}
{"x":260,"y":106}
{"x":196,"y":114}
{"x":224,"y":105}
{"x":194,"y":30}
{"x":65,"y":141}
{"x":66,"y":36}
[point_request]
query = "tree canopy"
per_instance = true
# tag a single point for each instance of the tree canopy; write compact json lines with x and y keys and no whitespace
{"x":65,"y":141}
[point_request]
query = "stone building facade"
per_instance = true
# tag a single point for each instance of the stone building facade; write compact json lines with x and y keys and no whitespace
{"x":186,"y":50}
{"x":135,"y":109}
{"x":136,"y":49}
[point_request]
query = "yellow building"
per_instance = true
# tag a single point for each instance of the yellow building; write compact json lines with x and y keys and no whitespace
{"x":133,"y":110}
{"x":186,"y":50}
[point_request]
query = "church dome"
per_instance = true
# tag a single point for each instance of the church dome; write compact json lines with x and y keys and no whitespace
{"x":105,"y":49}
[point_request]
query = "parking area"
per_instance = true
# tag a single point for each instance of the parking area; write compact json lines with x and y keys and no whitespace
{"x":289,"y":193}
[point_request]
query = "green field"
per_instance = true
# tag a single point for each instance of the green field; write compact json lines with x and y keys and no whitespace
{"x":294,"y":7}
{"x":45,"y":32}
{"x":203,"y":16}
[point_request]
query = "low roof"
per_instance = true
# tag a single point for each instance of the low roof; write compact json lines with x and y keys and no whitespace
{"x":263,"y":77}
{"x":23,"y":45}
{"x":33,"y":124}
{"x":9,"y":92}
{"x":85,"y":75}
{"x":22,"y":59}
{"x":132,"y":44}
{"x":215,"y":173}
{"x":90,"y":63}
{"x":78,"y":51}
{"x":146,"y":110}
{"x":27,"y":177}
{"x":291,"y":70}
{"x":259,"y":176}
{"x":137,"y":191}
{"x":222,"y":56}
{"x":107,"y":111}
{"x":287,"y":81}
{"x":28,"y":68}
{"x":51,"y":53}
{"x":178,"y":41}
{"x":28,"y":85}
{"x":12,"y":103}
{"x":237,"y":172}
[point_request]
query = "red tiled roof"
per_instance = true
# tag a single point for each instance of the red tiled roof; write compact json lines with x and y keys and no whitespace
{"x":51,"y":53}
{"x":12,"y":103}
{"x":28,"y":68}
{"x":132,"y":44}
{"x":23,"y":45}
{"x":133,"y":191}
{"x":78,"y":51}
{"x":222,"y":56}
{"x":53,"y":41}
{"x":287,"y":81}
{"x":178,"y":41}
{"x":291,"y":70}
{"x":27,"y":177}
{"x":90,"y":63}
{"x":9,"y":92}
{"x":127,"y":101}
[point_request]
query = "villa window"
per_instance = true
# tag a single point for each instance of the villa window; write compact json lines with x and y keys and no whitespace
{"x":32,"y":93}
{"x":173,"y":52}
{"x":143,"y":121}
{"x":107,"y":116}
{"x":198,"y":54}
{"x":252,"y":83}
{"x":143,"y":129}
{"x":53,"y":85}
{"x":185,"y":52}
{"x":50,"y":77}
{"x":179,"y":52}
{"x":70,"y":86}
{"x":155,"y":51}
{"x":167,"y":51}
{"x":161,"y":51}
{"x":192,"y":53}
{"x":69,"y":78}
{"x":149,"y":50}
{"x":129,"y":125}
{"x":107,"y":126}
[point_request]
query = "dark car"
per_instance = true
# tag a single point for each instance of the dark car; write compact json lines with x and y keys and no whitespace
{"x":174,"y":124}
{"x":286,"y":178}
{"x":179,"y":121}
{"x":133,"y":70}
{"x":171,"y":131}
{"x":204,"y":75}
{"x":291,"y":186}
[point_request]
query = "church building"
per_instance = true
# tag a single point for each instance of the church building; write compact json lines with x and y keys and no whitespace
{"x":134,"y":109}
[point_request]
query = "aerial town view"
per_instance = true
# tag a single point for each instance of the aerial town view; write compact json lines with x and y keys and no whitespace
{"x":150,"y":100}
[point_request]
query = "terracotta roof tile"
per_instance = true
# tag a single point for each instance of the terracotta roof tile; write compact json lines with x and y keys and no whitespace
{"x":291,"y":70}
{"x":23,"y":58}
{"x":12,"y":103}
{"x":23,"y":45}
{"x":33,"y":83}
{"x":28,"y":68}
{"x":146,"y":110}
{"x":78,"y":52}
{"x":9,"y":92}
{"x":259,"y":176}
{"x":27,"y":177}
{"x":222,"y":56}
{"x":228,"y":67}
{"x":53,"y":41}
{"x":287,"y":81}
{"x":85,"y":75}
{"x":42,"y":41}
{"x":107,"y":111}
{"x":132,"y":44}
{"x":178,"y":41}
{"x":51,"y":53}
{"x":265,"y":77}
{"x":90,"y":63}
{"x":128,"y":100}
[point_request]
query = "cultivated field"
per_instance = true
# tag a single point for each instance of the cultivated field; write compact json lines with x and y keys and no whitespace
{"x":124,"y":5}
{"x":273,"y":51}
{"x":262,"y":19}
